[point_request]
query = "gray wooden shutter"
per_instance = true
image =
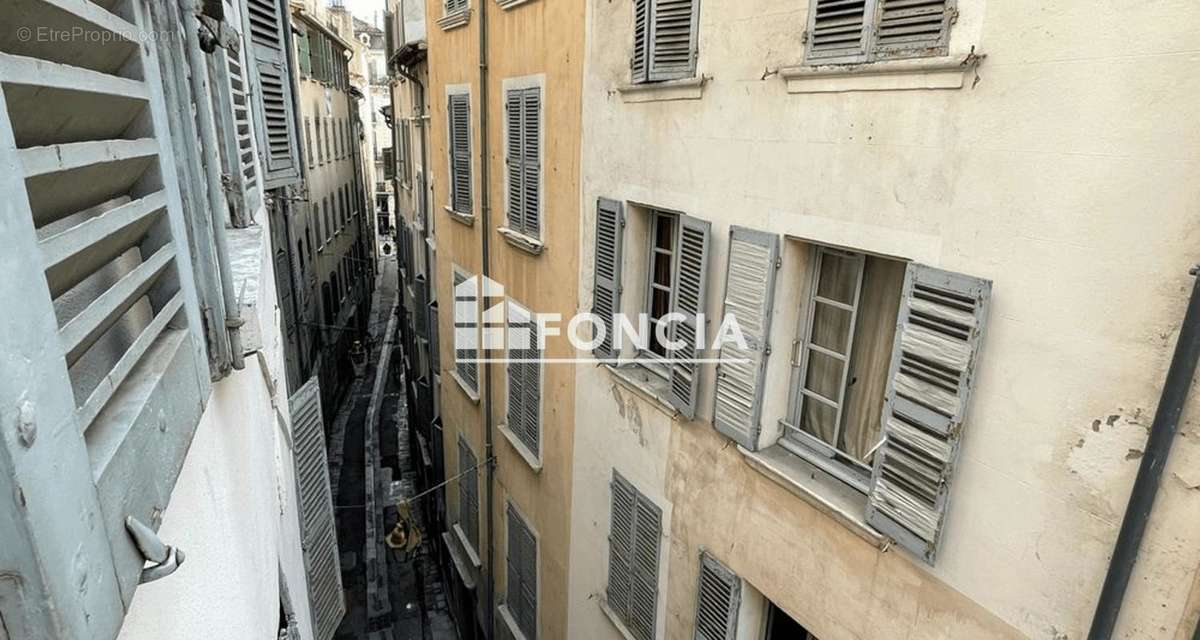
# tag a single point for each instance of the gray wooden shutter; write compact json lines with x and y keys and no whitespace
{"x":749,"y":295}
{"x":639,"y":63}
{"x":531,"y":162}
{"x":460,"y":152}
{"x":691,"y":274}
{"x":420,"y":300}
{"x":466,"y":325}
{"x":606,"y":289}
{"x":468,"y":493}
{"x":247,"y":159}
{"x":908,"y":26}
{"x":718,"y":598}
{"x":522,"y":574}
{"x":317,"y":530}
{"x":513,"y":157}
{"x":938,"y":334}
{"x":620,"y":545}
{"x":524,"y":381}
{"x":103,"y":377}
{"x":838,"y":31}
{"x":269,"y":46}
{"x":435,"y":357}
{"x":643,"y":602}
{"x":673,"y":39}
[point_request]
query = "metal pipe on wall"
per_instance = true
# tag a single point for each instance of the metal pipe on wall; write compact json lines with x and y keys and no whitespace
{"x":1145,"y":487}
{"x":486,"y":271}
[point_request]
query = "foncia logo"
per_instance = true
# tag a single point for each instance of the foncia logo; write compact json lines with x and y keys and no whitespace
{"x":507,"y":332}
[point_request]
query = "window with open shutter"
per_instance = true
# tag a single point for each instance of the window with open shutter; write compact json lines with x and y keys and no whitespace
{"x":691,"y":269}
{"x":326,"y":599}
{"x":718,"y":598}
{"x":524,"y":379}
{"x":459,"y":116}
{"x":664,"y":39}
{"x":269,"y":47}
{"x":939,"y":331}
{"x":523,"y":126}
{"x":633,"y":550}
{"x":522,"y":600}
{"x":847,"y":31}
{"x":104,"y":375}
{"x":606,"y":289}
{"x":749,"y":294}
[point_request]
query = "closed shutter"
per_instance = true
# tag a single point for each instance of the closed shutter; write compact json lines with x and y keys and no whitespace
{"x":691,"y":274}
{"x":420,"y":300}
{"x":389,"y":165}
{"x":531,"y":162}
{"x":468,"y":494}
{"x":718,"y":598}
{"x":620,"y":545}
{"x":938,"y":334}
{"x":907,"y":26}
{"x":269,"y":44}
{"x":326,"y":599}
{"x":522,"y":574}
{"x":435,"y":357}
{"x":639,"y":64}
{"x":460,"y":153}
{"x":749,"y":294}
{"x":673,"y":39}
{"x":513,"y":157}
{"x":634,"y":540}
{"x":837,"y":30}
{"x":606,"y":290}
{"x":104,"y":370}
{"x":466,"y":329}
{"x":524,"y":379}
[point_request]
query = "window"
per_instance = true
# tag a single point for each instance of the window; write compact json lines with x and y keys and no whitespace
{"x":466,"y":329}
{"x":866,"y":30}
{"x":664,"y":39}
{"x":718,"y":597}
{"x":780,"y":626}
{"x":468,"y":494}
{"x":454,"y":6}
{"x":660,"y":277}
{"x":635,"y":532}
{"x":524,"y":379}
{"x":328,"y":218}
{"x":520,"y":607}
{"x":268,"y":47}
{"x":303,"y":54}
{"x":328,"y":139}
{"x":459,"y":109}
{"x":320,"y":143}
{"x":405,"y":167}
{"x":308,"y":140}
{"x":523,"y":126}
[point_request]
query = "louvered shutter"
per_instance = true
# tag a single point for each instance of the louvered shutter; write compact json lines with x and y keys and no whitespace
{"x":531,"y":162}
{"x":326,"y":599}
{"x":247,"y":158}
{"x":606,"y":289}
{"x":639,"y":64}
{"x":838,"y":30}
{"x":938,"y":333}
{"x":103,"y":377}
{"x":460,"y":153}
{"x":303,"y":51}
{"x":269,"y":44}
{"x":672,"y":52}
{"x":620,"y":545}
{"x":524,"y":379}
{"x":468,"y":494}
{"x":749,"y":295}
{"x":691,"y":274}
{"x":420,"y":300}
{"x":435,"y":357}
{"x":907,"y":26}
{"x":513,"y":156}
{"x":643,"y":602}
{"x":718,"y":598}
{"x":522,"y":574}
{"x":466,"y":329}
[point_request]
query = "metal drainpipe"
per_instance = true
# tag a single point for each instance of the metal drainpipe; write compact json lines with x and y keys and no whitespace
{"x":485,"y":214}
{"x":216,"y":191}
{"x":1145,"y":488}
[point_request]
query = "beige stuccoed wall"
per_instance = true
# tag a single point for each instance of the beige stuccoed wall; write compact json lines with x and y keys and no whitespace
{"x":1066,"y":175}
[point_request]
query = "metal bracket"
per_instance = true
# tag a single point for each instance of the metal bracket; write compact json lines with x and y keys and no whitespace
{"x":167,"y":559}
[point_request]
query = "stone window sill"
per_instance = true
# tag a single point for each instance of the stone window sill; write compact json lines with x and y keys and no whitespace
{"x":530,"y":459}
{"x":649,"y":385}
{"x":459,"y":560}
{"x":684,"y":89}
{"x":472,"y":395}
{"x":824,"y":492}
{"x":509,"y":4}
{"x":458,"y":216}
{"x":511,"y":623}
{"x":454,"y":20}
{"x":615,"y":619}
{"x":521,"y":241}
{"x":945,"y":72}
{"x":467,"y":547}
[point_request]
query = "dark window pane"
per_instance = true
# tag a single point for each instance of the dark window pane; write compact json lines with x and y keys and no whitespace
{"x":831,"y":327}
{"x":839,"y":277}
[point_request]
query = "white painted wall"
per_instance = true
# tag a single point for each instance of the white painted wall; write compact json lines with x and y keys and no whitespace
{"x":1066,"y":176}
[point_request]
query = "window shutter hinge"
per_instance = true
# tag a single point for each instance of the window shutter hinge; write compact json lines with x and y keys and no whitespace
{"x":953,"y":16}
{"x":778,"y":262}
{"x":804,"y":37}
{"x":166,"y":559}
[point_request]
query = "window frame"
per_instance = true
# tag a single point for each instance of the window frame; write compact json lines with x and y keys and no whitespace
{"x":654,"y":362}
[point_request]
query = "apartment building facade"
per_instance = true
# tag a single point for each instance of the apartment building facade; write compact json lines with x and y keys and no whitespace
{"x":150,"y":146}
{"x":332,"y":228}
{"x":953,"y":236}
{"x":374,"y":111}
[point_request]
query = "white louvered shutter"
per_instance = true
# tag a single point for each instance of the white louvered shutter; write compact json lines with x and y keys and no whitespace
{"x":691,"y":274}
{"x":317,"y":528}
{"x":269,"y":46}
{"x":904,"y":27}
{"x":938,"y":334}
{"x":459,"y":110}
{"x":639,"y":63}
{"x":524,"y":379}
{"x":673,"y":29}
{"x":838,"y":30}
{"x":606,"y":289}
{"x":104,"y":375}
{"x":522,"y":574}
{"x":749,"y":296}
{"x":718,"y":598}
